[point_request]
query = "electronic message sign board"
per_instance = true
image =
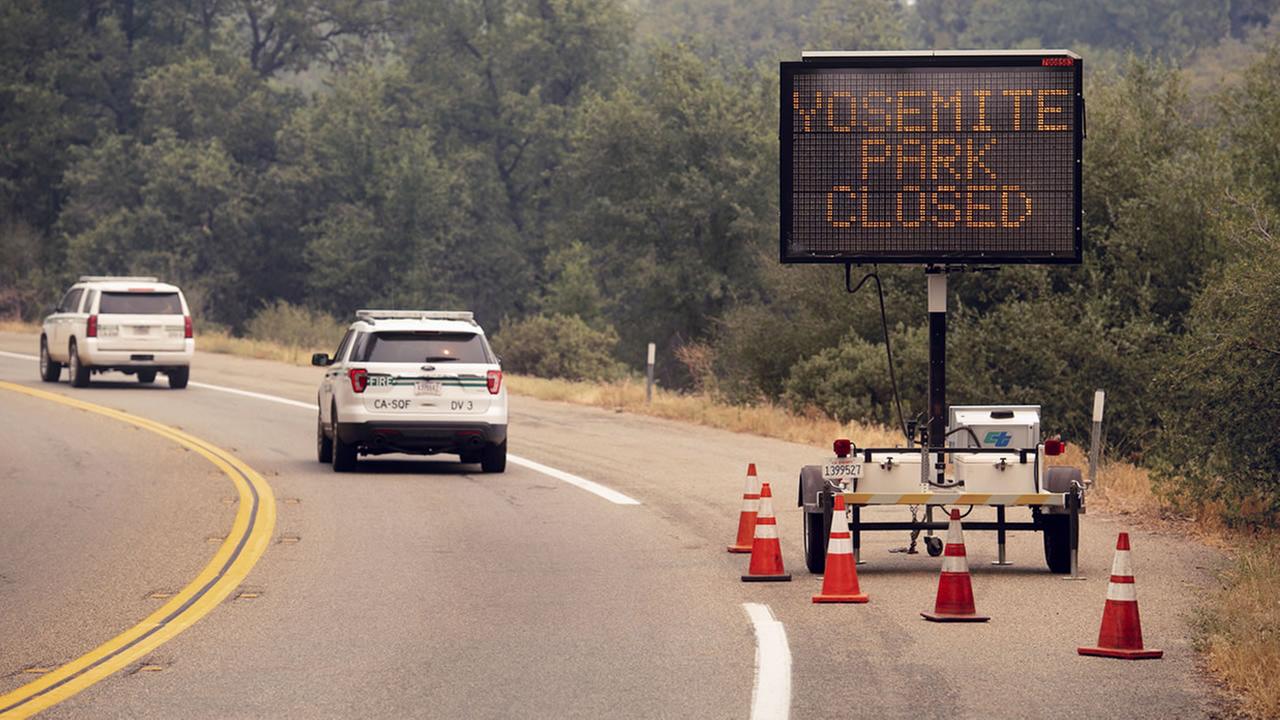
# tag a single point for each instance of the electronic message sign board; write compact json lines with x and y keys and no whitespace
{"x":932,"y":157}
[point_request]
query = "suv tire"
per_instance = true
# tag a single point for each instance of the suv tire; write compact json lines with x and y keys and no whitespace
{"x":178,"y":377}
{"x":146,"y":377}
{"x":324,"y":445}
{"x":343,"y":455}
{"x":50,"y":371}
{"x":493,"y":458}
{"x":79,"y":374}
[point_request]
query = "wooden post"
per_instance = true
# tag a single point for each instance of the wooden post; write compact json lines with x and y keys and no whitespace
{"x":1095,"y":442}
{"x":648,"y":376}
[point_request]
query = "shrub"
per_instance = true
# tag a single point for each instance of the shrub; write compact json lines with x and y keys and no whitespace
{"x":559,"y":346}
{"x":851,"y":380}
{"x":1221,"y":394}
{"x":295,"y":325}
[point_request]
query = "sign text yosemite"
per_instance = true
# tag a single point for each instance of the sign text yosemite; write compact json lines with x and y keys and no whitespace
{"x":932,"y":158}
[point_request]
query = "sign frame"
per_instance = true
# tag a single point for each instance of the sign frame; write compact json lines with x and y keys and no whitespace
{"x":978,"y":59}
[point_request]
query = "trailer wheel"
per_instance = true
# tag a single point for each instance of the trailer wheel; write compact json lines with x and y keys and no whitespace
{"x":1057,"y":525}
{"x":817,"y":530}
{"x":1057,"y":542}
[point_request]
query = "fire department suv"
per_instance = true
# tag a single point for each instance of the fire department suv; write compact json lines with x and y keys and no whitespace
{"x":412,"y":381}
{"x":136,"y":325}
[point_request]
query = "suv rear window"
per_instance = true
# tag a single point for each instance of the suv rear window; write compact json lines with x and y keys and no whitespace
{"x":417,"y":347}
{"x":140,"y":303}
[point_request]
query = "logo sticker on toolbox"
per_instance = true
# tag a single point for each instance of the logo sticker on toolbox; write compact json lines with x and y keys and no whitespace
{"x":998,"y":439}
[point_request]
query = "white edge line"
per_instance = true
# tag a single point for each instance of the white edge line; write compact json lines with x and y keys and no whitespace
{"x":256,"y":396}
{"x":609,"y":494}
{"x":771,"y":695}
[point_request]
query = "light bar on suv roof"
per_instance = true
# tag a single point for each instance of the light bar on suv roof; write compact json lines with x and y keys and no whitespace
{"x":370,"y":316}
{"x":116,"y":278}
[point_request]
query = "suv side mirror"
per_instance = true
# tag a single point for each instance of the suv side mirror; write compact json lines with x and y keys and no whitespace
{"x":321,"y":360}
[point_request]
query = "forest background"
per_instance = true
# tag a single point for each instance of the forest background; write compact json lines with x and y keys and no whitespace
{"x":590,"y":176}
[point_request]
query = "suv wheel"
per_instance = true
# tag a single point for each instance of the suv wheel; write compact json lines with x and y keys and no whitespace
{"x":50,"y":371}
{"x":146,"y":377}
{"x":493,"y":458}
{"x":324,"y":445}
{"x":76,"y":369}
{"x":344,"y":454}
{"x":178,"y":377}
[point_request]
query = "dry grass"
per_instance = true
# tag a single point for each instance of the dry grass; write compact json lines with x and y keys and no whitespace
{"x":764,"y":419}
{"x":1240,"y":634}
{"x":19,"y":326}
{"x":220,"y":342}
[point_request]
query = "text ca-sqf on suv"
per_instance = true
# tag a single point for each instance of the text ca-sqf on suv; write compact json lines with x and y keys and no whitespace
{"x":417,"y":382}
{"x":136,"y":325}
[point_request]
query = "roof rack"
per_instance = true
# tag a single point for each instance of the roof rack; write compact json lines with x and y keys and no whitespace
{"x":117,"y":278}
{"x":370,"y":316}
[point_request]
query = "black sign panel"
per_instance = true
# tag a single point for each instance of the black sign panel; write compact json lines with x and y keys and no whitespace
{"x":932,"y":158}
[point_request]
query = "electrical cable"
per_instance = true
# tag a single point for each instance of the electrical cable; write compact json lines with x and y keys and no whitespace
{"x":884,"y":327}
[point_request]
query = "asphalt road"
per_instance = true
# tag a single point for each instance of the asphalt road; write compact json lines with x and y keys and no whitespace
{"x":421,"y":588}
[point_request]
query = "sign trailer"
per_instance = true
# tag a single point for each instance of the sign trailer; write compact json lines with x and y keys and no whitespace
{"x":948,"y":160}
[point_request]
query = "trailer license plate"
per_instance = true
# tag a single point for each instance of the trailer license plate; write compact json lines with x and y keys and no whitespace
{"x":840,"y":469}
{"x":426,"y":387}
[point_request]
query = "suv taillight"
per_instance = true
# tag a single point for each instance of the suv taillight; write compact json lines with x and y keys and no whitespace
{"x":359,"y":379}
{"x":186,"y":327}
{"x":92,"y":329}
{"x":494,"y":377}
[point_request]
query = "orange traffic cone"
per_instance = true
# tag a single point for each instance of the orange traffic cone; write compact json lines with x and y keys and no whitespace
{"x":747,"y":518}
{"x":955,"y":593}
{"x":766,"y":551}
{"x":1121,"y":633}
{"x":840,"y":583}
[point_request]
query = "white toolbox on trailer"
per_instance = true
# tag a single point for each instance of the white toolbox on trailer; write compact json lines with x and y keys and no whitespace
{"x":890,"y":472}
{"x":995,"y":473}
{"x":996,"y":426}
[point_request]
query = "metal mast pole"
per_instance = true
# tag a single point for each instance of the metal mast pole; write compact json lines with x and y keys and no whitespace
{"x":937,"y":278}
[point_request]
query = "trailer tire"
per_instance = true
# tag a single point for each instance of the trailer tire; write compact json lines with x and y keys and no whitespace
{"x":1061,"y":479}
{"x":817,"y":530}
{"x":1057,"y":542}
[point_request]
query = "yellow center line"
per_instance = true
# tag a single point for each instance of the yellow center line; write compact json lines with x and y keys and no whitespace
{"x":249,"y":537}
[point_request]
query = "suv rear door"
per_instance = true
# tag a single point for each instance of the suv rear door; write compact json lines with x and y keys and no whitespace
{"x":62,"y":321}
{"x":141,"y":319}
{"x":419,"y":373}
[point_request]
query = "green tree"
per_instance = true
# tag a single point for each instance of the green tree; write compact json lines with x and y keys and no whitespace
{"x":1221,"y":389}
{"x":670,"y":183}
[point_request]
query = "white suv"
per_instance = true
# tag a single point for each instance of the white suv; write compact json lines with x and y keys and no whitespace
{"x":412,"y":381}
{"x":136,"y":325}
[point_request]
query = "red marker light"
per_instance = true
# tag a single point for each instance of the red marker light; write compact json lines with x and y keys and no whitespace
{"x":1054,"y":447}
{"x":359,"y":379}
{"x":186,"y":327}
{"x":842,"y":447}
{"x":92,"y":330}
{"x":494,"y":379}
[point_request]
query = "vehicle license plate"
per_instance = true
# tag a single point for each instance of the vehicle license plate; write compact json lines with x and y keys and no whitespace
{"x":840,"y":469}
{"x":141,"y":330}
{"x":426,"y":387}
